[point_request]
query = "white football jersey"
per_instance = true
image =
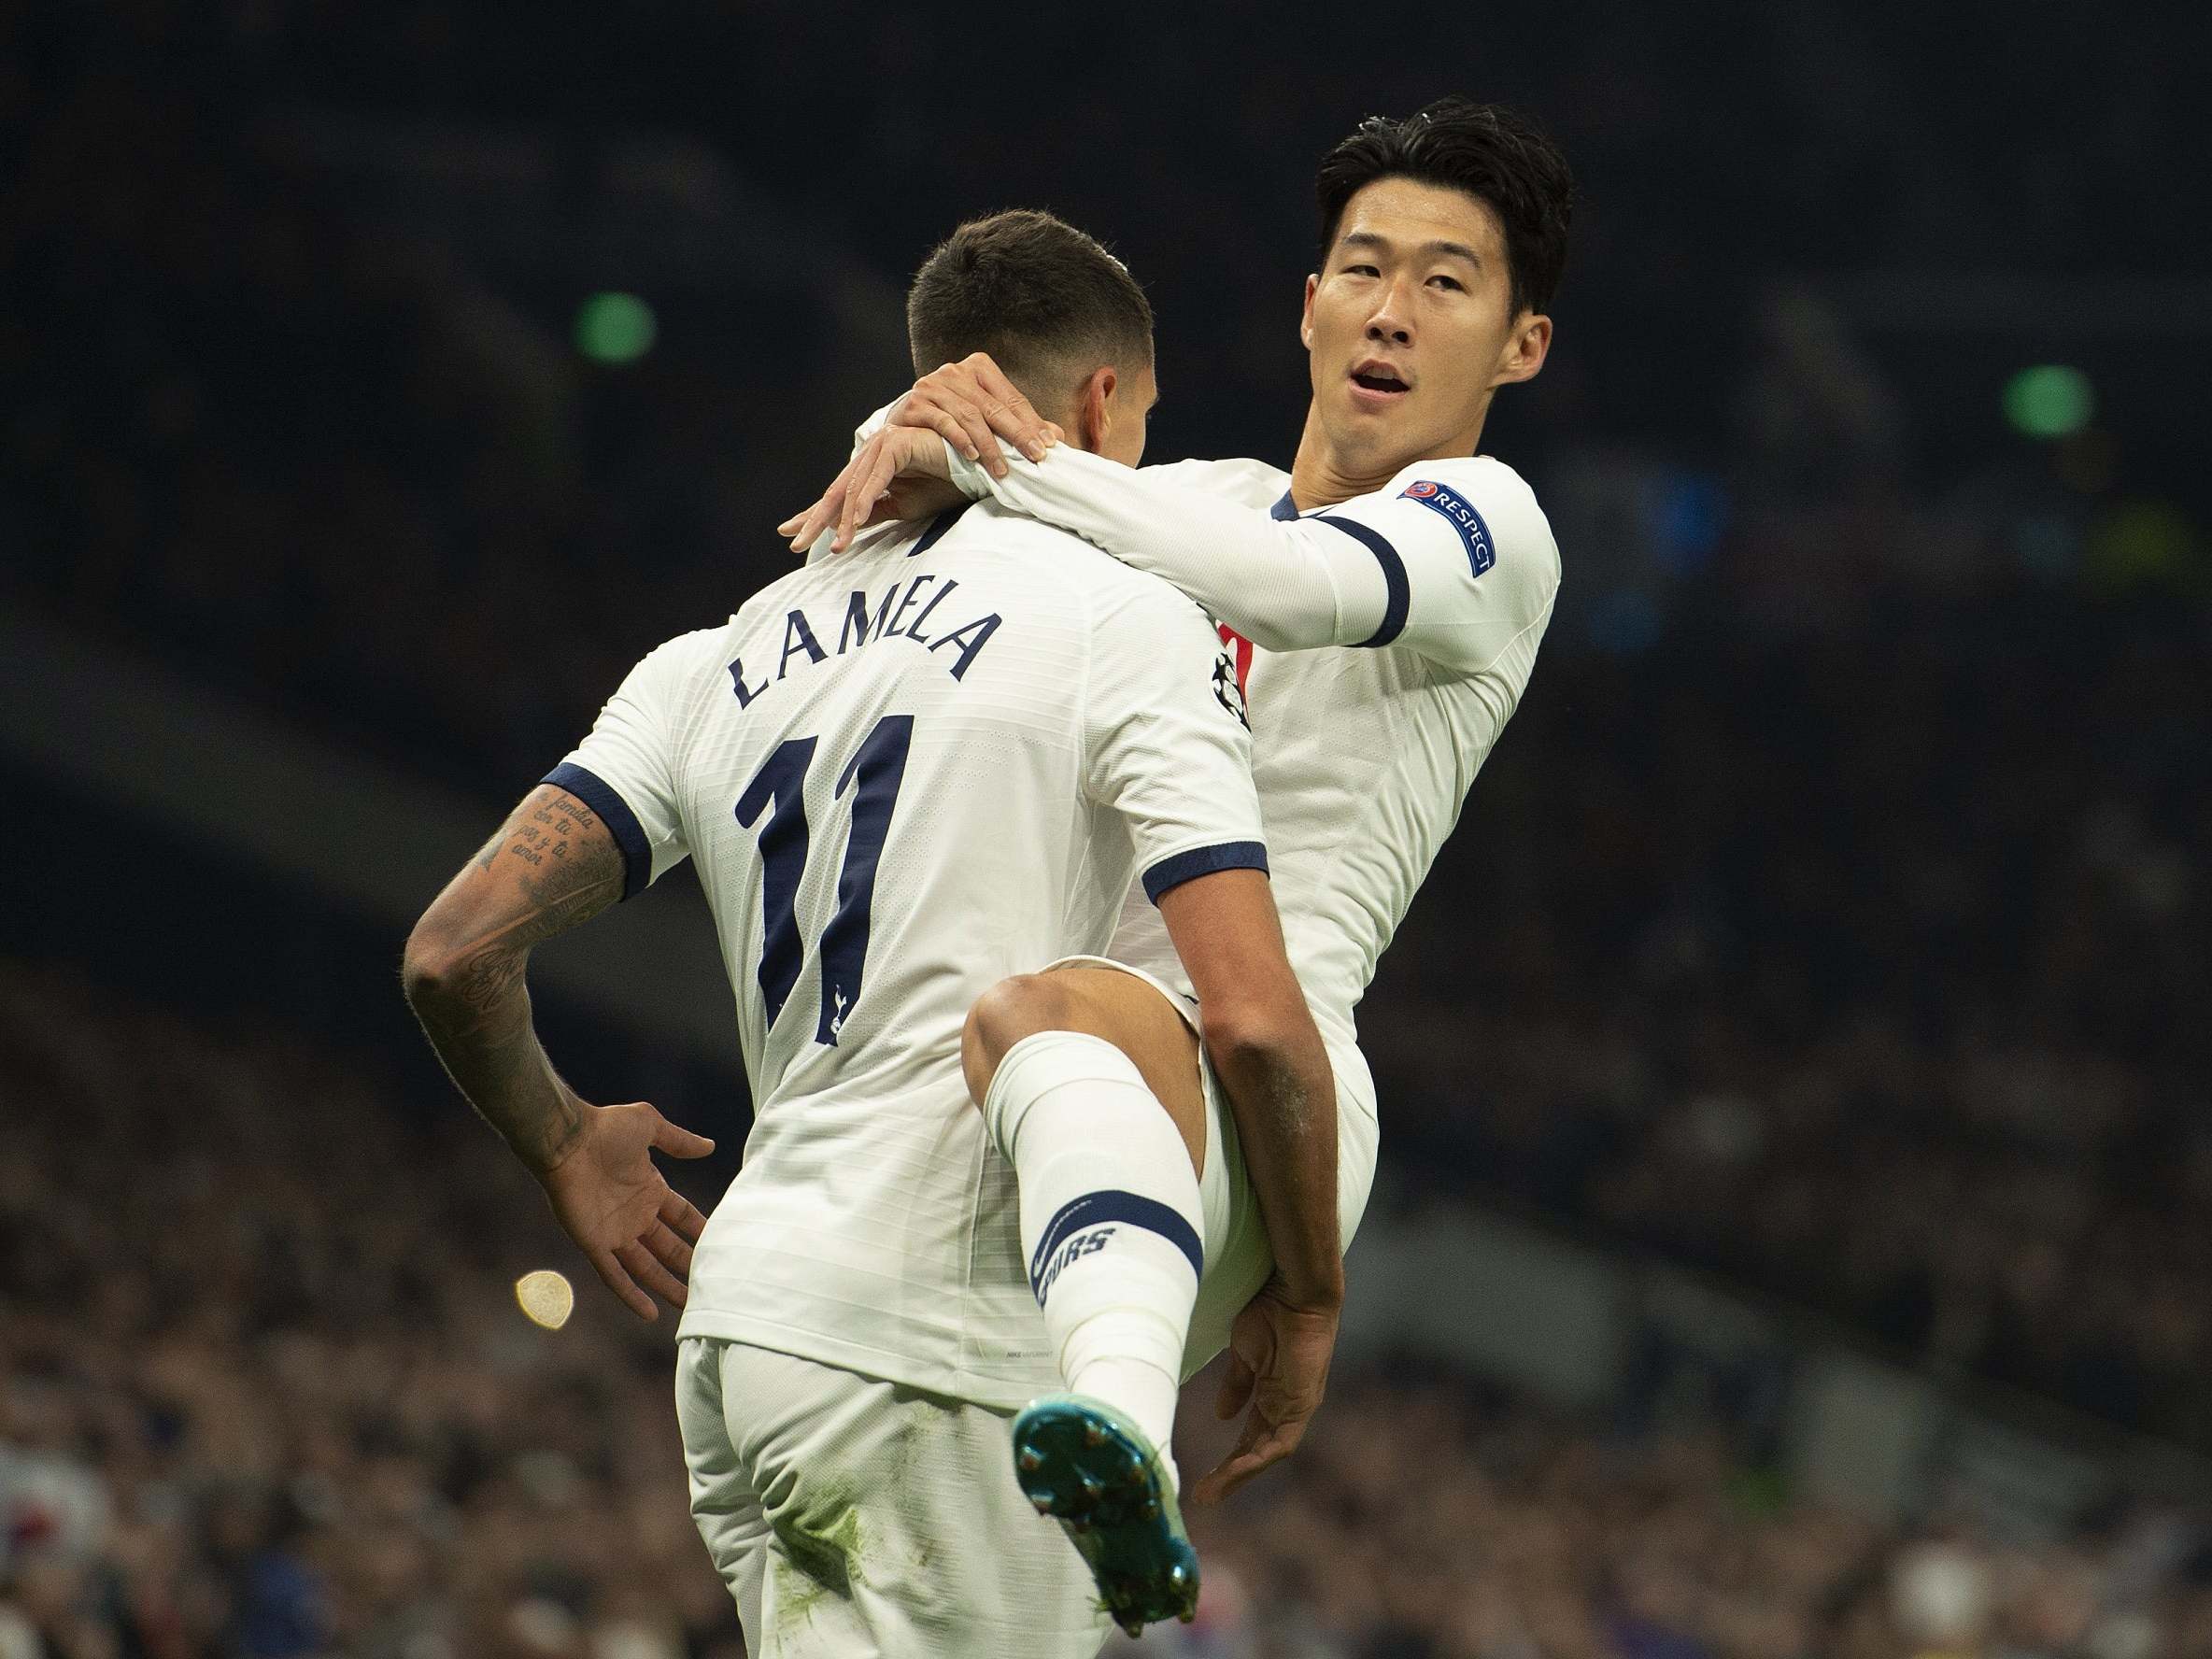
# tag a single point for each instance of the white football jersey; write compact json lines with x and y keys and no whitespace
{"x":1435,"y":592}
{"x":903,"y":774}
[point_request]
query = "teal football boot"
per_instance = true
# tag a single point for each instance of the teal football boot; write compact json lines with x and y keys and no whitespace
{"x":1091,"y":1470}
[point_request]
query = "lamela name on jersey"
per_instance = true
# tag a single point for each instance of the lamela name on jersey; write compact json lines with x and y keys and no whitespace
{"x":908,"y":610}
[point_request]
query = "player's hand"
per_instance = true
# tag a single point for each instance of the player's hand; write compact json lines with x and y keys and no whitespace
{"x":972,"y":405}
{"x":1278,"y":1359}
{"x":969,"y":404}
{"x":636,"y":1230}
{"x":900,"y":472}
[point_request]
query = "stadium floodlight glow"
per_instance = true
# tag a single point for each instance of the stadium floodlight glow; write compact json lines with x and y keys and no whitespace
{"x":614,"y":328}
{"x":2049,"y":400}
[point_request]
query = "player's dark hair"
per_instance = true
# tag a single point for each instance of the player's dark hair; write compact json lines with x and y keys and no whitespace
{"x":1494,"y":154}
{"x":1048,"y":303}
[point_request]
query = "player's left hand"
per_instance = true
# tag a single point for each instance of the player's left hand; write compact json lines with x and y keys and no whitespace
{"x":636,"y":1229}
{"x":1279,"y":1360}
{"x":899,"y":472}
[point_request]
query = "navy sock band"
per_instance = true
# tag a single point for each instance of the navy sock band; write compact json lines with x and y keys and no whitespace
{"x":1096,"y":1208}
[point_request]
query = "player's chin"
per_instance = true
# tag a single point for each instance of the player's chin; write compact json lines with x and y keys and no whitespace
{"x":1374,"y":434}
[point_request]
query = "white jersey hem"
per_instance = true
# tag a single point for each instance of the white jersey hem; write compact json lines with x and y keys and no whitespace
{"x":997,"y":1394}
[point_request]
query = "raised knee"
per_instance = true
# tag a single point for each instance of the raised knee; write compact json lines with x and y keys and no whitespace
{"x":1017,"y":1007}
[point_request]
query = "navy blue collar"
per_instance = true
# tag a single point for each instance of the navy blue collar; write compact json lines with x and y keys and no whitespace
{"x":1286,"y":508}
{"x":935,"y":533}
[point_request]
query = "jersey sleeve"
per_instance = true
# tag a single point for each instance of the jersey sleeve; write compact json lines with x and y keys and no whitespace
{"x":1466,"y":556}
{"x":1166,"y":742}
{"x":1453,"y":558}
{"x":625,"y":768}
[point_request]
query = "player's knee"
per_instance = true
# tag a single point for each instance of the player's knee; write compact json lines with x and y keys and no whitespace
{"x":1015,"y":1008}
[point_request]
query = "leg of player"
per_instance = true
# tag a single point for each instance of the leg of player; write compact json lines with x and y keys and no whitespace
{"x":1089,"y":1082}
{"x":1088,"y":1079}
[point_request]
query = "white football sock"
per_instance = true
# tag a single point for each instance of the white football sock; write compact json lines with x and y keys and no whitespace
{"x":1110,"y":1215}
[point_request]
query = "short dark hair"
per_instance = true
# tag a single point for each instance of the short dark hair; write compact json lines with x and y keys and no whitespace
{"x":1046,"y":302}
{"x":1494,"y":154}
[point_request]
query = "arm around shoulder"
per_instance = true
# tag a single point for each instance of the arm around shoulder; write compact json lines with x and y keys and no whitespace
{"x":1284,"y":584}
{"x":1452,"y":559}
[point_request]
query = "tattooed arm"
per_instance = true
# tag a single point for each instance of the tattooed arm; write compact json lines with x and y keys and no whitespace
{"x":551,"y":867}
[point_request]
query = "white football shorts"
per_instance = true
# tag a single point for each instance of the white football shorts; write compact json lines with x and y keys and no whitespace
{"x":859,"y":1519}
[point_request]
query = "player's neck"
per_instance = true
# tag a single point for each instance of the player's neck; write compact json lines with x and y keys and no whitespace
{"x":1323,"y":475}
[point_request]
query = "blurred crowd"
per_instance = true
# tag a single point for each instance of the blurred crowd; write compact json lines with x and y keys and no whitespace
{"x":1430,"y":1518}
{"x":1864,"y":965}
{"x":265,"y":1394}
{"x":265,"y":1388}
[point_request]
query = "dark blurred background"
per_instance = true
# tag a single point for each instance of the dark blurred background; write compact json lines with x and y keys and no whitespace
{"x":1792,"y":1238}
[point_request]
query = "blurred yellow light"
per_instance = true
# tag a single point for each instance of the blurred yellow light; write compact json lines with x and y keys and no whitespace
{"x":546,"y":1297}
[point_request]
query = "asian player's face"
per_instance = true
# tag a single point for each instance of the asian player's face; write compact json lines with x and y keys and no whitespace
{"x":1409,"y":328}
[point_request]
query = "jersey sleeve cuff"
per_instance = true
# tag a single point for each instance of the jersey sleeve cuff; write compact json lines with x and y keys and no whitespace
{"x":602,"y":797}
{"x":1398,"y":591}
{"x":1174,"y":871}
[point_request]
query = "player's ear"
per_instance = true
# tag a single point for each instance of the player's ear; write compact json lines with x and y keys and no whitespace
{"x":1525,"y":350}
{"x":1094,"y":416}
{"x":1306,"y":313}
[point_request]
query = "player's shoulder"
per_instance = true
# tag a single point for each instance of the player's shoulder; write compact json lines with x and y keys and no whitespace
{"x":1143,"y":606}
{"x":1043,"y":558}
{"x":1252,"y":483}
{"x":1118,"y":610}
{"x":990,"y":526}
{"x":690,"y":650}
{"x":1481,"y":477}
{"x":671,"y":677}
{"x":1489,"y":505}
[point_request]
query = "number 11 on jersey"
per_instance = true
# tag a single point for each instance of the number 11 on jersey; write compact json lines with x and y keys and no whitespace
{"x":779,"y":788}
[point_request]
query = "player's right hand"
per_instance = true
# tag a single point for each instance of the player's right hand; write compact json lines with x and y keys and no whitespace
{"x":972,"y":405}
{"x":636,"y":1229}
{"x":1278,"y":1359}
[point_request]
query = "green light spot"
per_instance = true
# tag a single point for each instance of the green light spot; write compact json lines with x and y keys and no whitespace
{"x":2050,"y":402}
{"x":614,"y":328}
